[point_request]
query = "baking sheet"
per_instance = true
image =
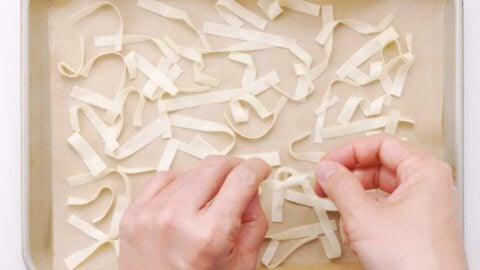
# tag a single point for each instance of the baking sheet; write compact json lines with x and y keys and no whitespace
{"x":422,"y":100}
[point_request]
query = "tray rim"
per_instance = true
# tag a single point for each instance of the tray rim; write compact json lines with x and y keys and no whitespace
{"x":25,"y":113}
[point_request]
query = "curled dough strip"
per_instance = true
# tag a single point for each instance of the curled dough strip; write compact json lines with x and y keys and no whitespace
{"x":170,"y":12}
{"x":281,"y":103}
{"x":250,"y":73}
{"x":364,"y":125}
{"x":157,"y":76}
{"x":368,"y":108}
{"x":301,"y":6}
{"x":77,"y":258}
{"x":105,"y":41}
{"x":96,"y":6}
{"x":367,"y":51}
{"x":145,"y":136}
{"x":231,"y":11}
{"x":192,"y":101}
{"x":203,"y":126}
{"x":241,"y":114}
{"x":305,"y":156}
{"x":75,"y":201}
{"x":89,"y":157}
{"x":272,"y":250}
{"x":271,"y":8}
{"x":67,"y":70}
{"x":299,"y":232}
{"x":330,"y":241}
{"x":259,"y":37}
{"x":358,"y":26}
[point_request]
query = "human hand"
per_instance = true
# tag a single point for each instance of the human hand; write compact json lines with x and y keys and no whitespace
{"x":208,"y":218}
{"x":417,"y":226}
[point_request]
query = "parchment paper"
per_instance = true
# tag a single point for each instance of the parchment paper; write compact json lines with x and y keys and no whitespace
{"x":421,"y":101}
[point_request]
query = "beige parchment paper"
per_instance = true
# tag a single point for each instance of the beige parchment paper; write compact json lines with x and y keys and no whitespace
{"x":421,"y":101}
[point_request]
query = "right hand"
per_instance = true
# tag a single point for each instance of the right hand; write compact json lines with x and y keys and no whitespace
{"x":417,"y":226}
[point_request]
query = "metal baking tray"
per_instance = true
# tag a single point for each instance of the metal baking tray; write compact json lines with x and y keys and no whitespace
{"x":37,"y":128}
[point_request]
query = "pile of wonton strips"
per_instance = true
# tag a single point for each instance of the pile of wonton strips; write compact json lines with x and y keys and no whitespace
{"x":161,"y":88}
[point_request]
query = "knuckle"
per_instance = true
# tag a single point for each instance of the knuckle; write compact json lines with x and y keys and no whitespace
{"x":166,"y":219}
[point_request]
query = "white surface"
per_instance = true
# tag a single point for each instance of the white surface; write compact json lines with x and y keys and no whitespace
{"x":10,"y":182}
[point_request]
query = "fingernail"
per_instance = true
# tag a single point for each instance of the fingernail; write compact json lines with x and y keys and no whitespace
{"x":324,"y":170}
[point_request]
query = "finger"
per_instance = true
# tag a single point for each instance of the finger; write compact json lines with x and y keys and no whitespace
{"x":201,"y":185}
{"x":382,"y":149}
{"x":373,"y":177}
{"x":240,"y":186}
{"x":252,"y":231}
{"x":151,"y":189}
{"x":343,"y":188}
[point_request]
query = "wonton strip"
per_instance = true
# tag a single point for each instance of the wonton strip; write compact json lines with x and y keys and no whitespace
{"x":204,"y":126}
{"x":310,"y":200}
{"x":367,"y":51}
{"x":91,"y":159}
{"x":67,"y":70}
{"x":271,"y":8}
{"x":299,"y":232}
{"x":358,"y":26}
{"x":281,"y":103}
{"x":231,"y":11}
{"x":153,"y":131}
{"x":241,"y":114}
{"x":79,"y":15}
{"x":250,"y":73}
{"x":156,"y":75}
{"x":362,"y":126}
{"x":170,"y":12}
{"x":260,"y":37}
{"x":272,"y":158}
{"x":301,"y":6}
{"x":75,"y":201}
{"x":305,"y":156}
{"x":330,"y":242}
{"x":192,"y":101}
{"x":74,"y":260}
{"x":272,"y":249}
{"x":368,"y":108}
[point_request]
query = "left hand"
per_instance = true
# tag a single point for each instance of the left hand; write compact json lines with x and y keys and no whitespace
{"x":208,"y":218}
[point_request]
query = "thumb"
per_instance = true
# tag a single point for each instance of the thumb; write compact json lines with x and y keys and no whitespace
{"x":342,"y":187}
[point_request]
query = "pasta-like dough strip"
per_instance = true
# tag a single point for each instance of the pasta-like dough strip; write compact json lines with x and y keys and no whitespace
{"x":305,"y":156}
{"x":301,"y":6}
{"x":368,"y":108}
{"x":281,"y":103}
{"x":75,"y":259}
{"x":330,"y":241}
{"x":160,"y":78}
{"x":272,"y":249}
{"x":75,"y":201}
{"x":299,"y":232}
{"x":271,"y":8}
{"x":153,"y":131}
{"x":250,"y":73}
{"x":367,"y":51}
{"x":204,"y":126}
{"x":310,"y":200}
{"x":358,"y":26}
{"x":170,"y":12}
{"x":67,"y":70}
{"x":272,"y":158}
{"x":91,"y":159}
{"x":362,"y":126}
{"x":259,"y":37}
{"x":241,"y":114}
{"x":108,"y":134}
{"x":191,"y":101}
{"x":231,"y":11}
{"x":79,"y":15}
